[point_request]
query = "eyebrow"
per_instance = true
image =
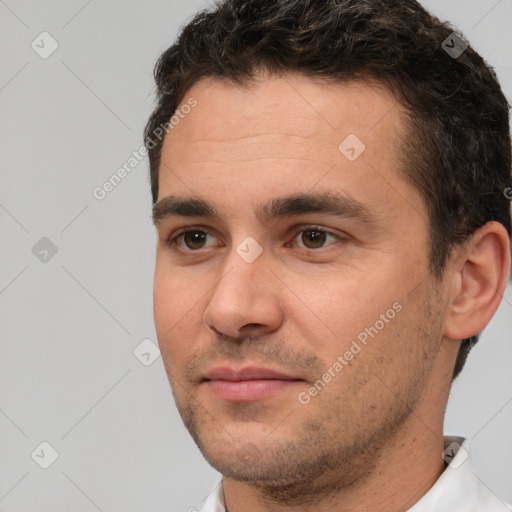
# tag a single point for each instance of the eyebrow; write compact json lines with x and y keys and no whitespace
{"x":289,"y":206}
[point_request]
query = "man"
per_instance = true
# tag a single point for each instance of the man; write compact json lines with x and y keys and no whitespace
{"x":330,"y":192}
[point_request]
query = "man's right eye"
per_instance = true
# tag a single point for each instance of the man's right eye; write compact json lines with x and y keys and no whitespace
{"x":192,"y":240}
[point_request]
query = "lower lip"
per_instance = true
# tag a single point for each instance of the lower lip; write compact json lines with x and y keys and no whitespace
{"x":248,"y":390}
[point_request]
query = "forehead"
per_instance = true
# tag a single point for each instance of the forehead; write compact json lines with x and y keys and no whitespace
{"x":287,"y":134}
{"x":304,"y":106}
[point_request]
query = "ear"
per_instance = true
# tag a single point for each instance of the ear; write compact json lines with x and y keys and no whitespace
{"x":477,"y":281}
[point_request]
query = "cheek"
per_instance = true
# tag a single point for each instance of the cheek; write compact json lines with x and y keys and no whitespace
{"x":166,"y":305}
{"x":176,"y":310}
{"x":341,"y":306}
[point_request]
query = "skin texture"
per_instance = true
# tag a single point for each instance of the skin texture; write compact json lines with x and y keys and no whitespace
{"x":372,"y":437}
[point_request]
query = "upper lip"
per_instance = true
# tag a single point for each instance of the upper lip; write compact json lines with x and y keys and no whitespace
{"x":246,"y":373}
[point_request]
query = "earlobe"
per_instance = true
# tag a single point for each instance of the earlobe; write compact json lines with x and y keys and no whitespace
{"x":478,"y":281}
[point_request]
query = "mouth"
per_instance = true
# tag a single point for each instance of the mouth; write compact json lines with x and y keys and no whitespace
{"x":248,"y":384}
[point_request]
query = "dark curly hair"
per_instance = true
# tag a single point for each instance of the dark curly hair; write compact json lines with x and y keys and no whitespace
{"x":458,"y":152}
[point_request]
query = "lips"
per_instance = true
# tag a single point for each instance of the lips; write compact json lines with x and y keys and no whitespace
{"x":247,"y":373}
{"x":248,"y":384}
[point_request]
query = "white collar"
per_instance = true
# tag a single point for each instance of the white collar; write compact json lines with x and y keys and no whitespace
{"x":458,"y":489}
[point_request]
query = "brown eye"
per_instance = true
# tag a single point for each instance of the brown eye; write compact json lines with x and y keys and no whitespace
{"x":194,"y":239}
{"x":313,"y":238}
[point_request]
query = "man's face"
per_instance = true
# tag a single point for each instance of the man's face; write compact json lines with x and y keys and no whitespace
{"x":296,"y":338}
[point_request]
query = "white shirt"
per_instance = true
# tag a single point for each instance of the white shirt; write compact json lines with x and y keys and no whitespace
{"x":458,"y":489}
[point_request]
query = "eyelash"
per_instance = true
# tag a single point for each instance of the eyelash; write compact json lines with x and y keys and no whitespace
{"x":297,"y":230}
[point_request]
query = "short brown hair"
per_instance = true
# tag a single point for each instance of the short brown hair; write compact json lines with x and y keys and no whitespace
{"x":458,"y":153}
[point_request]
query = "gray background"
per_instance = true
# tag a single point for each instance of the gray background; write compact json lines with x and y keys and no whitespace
{"x":69,"y":325}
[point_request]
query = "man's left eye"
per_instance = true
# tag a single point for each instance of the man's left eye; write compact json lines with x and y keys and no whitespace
{"x":313,"y":237}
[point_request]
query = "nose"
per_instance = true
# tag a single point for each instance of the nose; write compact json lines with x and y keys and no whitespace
{"x":245,"y":300}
